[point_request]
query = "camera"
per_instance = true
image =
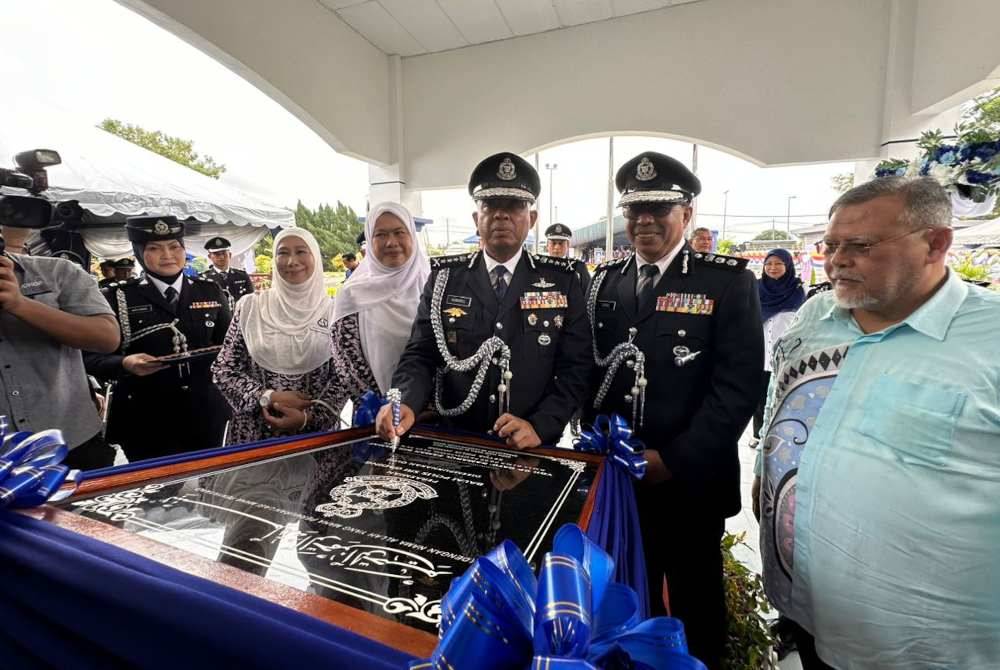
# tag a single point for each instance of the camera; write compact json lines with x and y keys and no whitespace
{"x":58,"y":223}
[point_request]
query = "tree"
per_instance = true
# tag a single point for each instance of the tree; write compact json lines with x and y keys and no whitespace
{"x":175,"y":148}
{"x":725,"y":247}
{"x":335,"y":228}
{"x":843,"y":182}
{"x":771,"y":235}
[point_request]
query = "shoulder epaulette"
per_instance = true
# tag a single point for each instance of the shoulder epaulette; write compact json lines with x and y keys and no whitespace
{"x":613,"y":263}
{"x":131,"y":281}
{"x":451,"y":261}
{"x":564,"y":264}
{"x":720,"y":261}
{"x":200,"y":278}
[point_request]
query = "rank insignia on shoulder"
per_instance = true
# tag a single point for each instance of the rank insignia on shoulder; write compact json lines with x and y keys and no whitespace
{"x":685,"y":303}
{"x":718,"y":260}
{"x":543,"y":300}
{"x":564,"y":264}
{"x":613,"y":263}
{"x":455,"y":312}
{"x":449,"y":261}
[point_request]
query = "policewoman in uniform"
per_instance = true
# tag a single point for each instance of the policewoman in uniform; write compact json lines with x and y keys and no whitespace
{"x":163,"y":313}
{"x":557,"y":239}
{"x":235,"y":282}
{"x":500,"y":343}
{"x":690,"y":323}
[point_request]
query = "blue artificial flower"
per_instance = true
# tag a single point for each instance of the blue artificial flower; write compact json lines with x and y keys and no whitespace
{"x":925,"y":167}
{"x":979,"y":178}
{"x":984,"y":151}
{"x":947,"y":157}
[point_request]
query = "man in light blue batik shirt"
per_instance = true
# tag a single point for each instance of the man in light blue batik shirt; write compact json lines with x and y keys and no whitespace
{"x":879,"y":480}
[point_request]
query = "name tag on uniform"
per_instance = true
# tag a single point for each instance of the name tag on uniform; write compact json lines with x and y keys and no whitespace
{"x":543,"y":300}
{"x":207,"y":304}
{"x":460,"y":300}
{"x":685,"y":303}
{"x":607,"y":304}
{"x":140,"y":308}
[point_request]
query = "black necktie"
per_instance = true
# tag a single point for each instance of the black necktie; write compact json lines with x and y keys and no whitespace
{"x":171,"y":295}
{"x":647,"y":281}
{"x":500,"y":282}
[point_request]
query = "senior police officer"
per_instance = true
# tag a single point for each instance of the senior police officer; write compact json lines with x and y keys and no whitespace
{"x":557,"y":239}
{"x":687,"y":377}
{"x":164,"y":313}
{"x":500,"y":340}
{"x":235,"y":282}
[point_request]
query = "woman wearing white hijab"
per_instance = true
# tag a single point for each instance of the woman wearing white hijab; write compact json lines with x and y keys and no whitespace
{"x":275,"y":361}
{"x":376,"y":308}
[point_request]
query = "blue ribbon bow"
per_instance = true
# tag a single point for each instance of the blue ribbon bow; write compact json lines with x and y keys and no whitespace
{"x":367,"y":409}
{"x":497,"y":616}
{"x":30,"y":473}
{"x":612,"y":437}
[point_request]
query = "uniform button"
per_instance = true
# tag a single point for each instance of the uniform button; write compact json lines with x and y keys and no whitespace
{"x":15,"y":393}
{"x":493,"y":398}
{"x":600,"y":324}
{"x":184,"y":388}
{"x":681,"y":333}
{"x":499,"y":326}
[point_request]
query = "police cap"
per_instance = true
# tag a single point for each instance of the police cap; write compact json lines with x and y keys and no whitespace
{"x":217,"y":244}
{"x":126,"y":263}
{"x":143,"y":229}
{"x":504,"y":175}
{"x":654,"y":177}
{"x":558,"y":231}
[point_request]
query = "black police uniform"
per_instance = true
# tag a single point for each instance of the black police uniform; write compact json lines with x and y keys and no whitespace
{"x":560,"y":231}
{"x":177,"y":409}
{"x":235,"y":282}
{"x":701,"y":336}
{"x":541,"y":318}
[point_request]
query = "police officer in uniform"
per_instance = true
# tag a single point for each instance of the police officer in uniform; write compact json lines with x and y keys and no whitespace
{"x":107,"y":274}
{"x":686,"y":379}
{"x":557,"y":239}
{"x":123,"y":269}
{"x":500,"y":343}
{"x":235,"y":282}
{"x":163,"y":313}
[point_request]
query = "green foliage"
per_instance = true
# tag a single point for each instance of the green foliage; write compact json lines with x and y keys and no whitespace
{"x":263,"y":264}
{"x":175,"y":148}
{"x":981,"y":120}
{"x":971,"y":272}
{"x":843,"y":182}
{"x":200,"y":263}
{"x":772,"y":234}
{"x":725,"y":247}
{"x":335,"y":228}
{"x":930,"y":140}
{"x":749,"y":642}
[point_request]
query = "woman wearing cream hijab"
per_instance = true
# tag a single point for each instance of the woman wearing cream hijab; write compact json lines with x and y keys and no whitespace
{"x":374,"y":311}
{"x":274,"y":368}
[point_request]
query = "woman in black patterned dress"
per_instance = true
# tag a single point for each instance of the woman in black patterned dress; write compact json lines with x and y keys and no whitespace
{"x":277,"y":368}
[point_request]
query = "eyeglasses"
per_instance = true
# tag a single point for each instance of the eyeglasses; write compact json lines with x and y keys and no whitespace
{"x":856,"y":249}
{"x":656,"y":209}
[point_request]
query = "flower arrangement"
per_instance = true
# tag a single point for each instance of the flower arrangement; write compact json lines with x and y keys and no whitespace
{"x":970,"y":167}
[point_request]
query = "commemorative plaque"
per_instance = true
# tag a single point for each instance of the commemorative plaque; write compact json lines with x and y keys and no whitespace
{"x":354,"y":522}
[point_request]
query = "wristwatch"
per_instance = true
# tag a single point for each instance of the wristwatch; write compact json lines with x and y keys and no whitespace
{"x":265,"y":398}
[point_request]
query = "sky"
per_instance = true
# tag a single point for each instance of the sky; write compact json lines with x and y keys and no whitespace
{"x":94,"y":59}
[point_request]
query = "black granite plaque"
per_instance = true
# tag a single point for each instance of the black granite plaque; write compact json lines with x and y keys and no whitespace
{"x":385,"y":532}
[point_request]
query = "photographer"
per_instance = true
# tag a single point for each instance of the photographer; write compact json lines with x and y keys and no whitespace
{"x":50,"y":309}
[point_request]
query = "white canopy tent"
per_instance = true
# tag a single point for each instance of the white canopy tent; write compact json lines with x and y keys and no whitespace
{"x":986,"y":233}
{"x":112,"y":179}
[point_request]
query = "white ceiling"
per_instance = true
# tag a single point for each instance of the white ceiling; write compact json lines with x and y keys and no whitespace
{"x":414,"y":27}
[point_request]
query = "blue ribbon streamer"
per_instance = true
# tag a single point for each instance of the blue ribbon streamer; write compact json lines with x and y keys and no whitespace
{"x":497,"y":616}
{"x":612,"y":437}
{"x":367,"y":409}
{"x":30,"y":470}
